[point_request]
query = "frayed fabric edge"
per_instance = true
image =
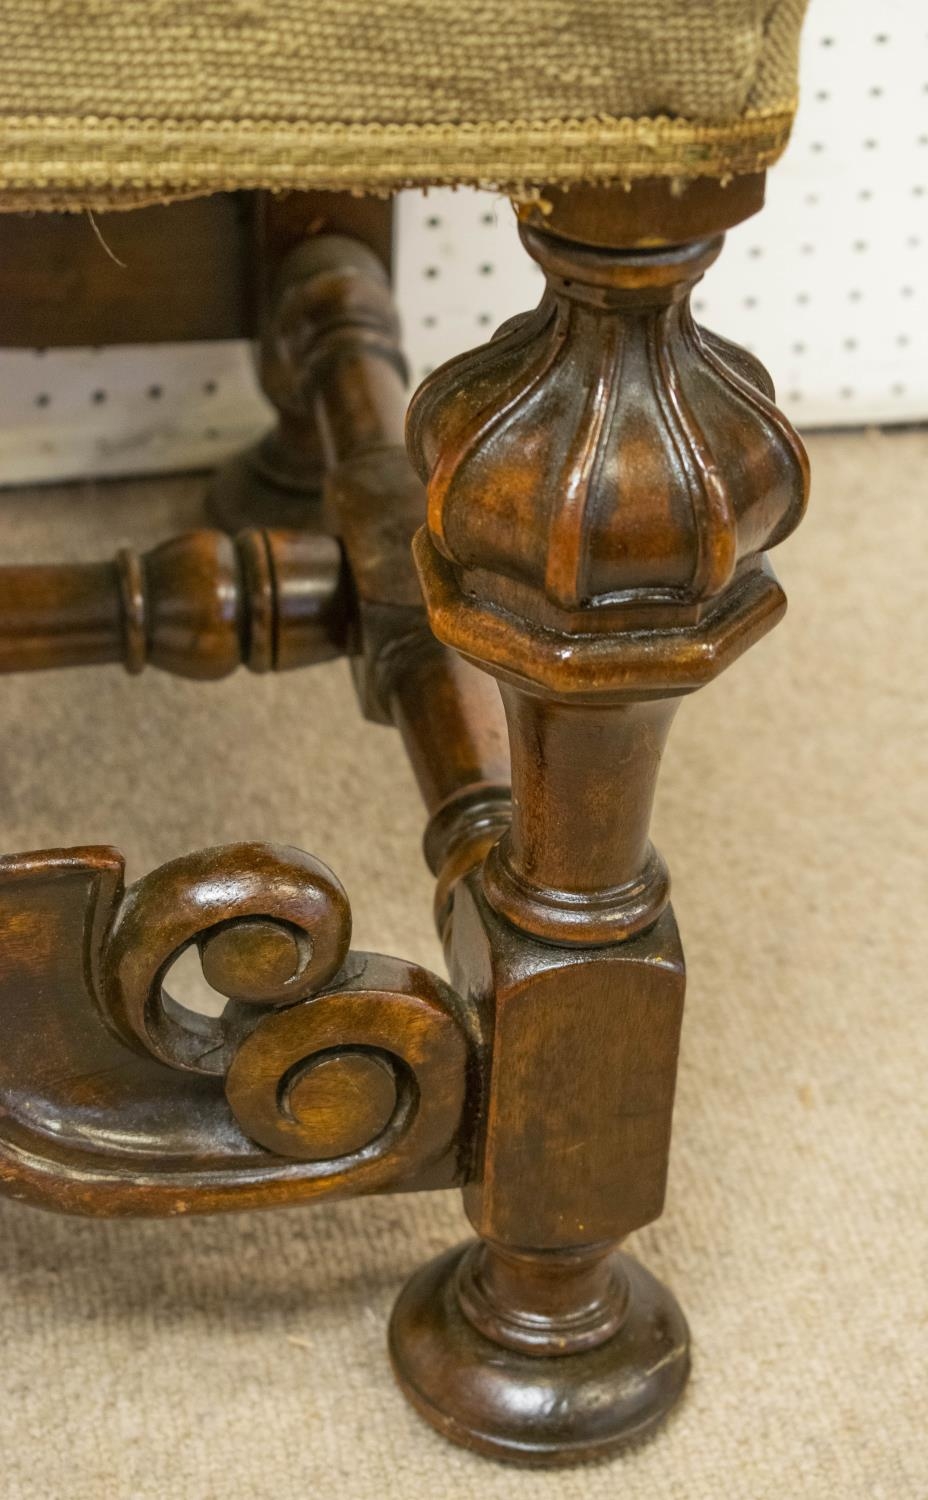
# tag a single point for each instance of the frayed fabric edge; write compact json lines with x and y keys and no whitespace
{"x":61,"y":164}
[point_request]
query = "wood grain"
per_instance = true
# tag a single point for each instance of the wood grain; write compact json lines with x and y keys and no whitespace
{"x":591,"y":498}
{"x":603,"y":479}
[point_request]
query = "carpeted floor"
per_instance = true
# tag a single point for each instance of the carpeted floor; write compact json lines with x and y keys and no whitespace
{"x":243,"y":1358}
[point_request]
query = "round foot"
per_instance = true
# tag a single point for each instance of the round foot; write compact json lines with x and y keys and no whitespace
{"x":529,"y":1408}
{"x":260,"y":488}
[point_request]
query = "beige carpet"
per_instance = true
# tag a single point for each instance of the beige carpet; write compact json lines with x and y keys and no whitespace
{"x":243,"y":1358}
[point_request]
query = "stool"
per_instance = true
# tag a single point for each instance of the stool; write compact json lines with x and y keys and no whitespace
{"x":571,"y":539}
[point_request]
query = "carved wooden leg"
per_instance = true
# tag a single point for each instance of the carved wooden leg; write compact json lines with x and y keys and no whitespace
{"x":279,"y":481}
{"x":330,"y":1071}
{"x":603,"y":479}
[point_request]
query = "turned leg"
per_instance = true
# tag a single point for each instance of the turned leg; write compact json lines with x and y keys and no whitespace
{"x":575,"y":1135}
{"x":603,"y":480}
{"x":279,"y":480}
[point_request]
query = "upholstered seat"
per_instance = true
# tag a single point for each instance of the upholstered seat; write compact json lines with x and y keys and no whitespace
{"x":528,"y":566}
{"x":116,"y":102}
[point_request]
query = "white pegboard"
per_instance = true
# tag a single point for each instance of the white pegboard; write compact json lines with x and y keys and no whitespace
{"x":827,"y":285}
{"x":127,"y":409}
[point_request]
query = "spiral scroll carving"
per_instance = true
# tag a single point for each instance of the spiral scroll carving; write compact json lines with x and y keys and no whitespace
{"x":352,"y":1060}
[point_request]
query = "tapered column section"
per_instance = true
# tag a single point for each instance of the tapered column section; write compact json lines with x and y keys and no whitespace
{"x":577,"y":865}
{"x":603,"y":479}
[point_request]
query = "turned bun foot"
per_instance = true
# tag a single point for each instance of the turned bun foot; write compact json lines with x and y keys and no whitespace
{"x":267,"y":485}
{"x":538,"y":1407}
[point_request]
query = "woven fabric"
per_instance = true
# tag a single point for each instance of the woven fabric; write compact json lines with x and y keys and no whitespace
{"x":112,"y":101}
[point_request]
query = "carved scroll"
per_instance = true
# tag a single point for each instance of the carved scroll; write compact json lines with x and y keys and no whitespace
{"x":329,"y":1071}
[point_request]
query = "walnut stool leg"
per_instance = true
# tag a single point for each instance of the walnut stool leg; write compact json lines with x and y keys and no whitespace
{"x":603,"y":480}
{"x":278,"y":482}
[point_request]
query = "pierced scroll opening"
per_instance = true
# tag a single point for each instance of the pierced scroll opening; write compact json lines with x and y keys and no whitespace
{"x":190,"y":989}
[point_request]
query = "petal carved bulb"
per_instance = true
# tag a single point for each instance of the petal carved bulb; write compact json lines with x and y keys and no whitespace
{"x":603,"y":464}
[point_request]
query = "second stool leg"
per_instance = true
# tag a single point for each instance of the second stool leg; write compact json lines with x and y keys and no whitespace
{"x":278,"y":481}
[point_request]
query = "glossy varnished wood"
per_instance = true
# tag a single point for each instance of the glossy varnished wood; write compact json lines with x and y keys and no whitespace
{"x":278,"y":480}
{"x":589,"y":504}
{"x":338,"y":1071}
{"x":116,"y":1099}
{"x":203,"y":269}
{"x":537,"y":1407}
{"x":603,"y":479}
{"x":198,"y":606}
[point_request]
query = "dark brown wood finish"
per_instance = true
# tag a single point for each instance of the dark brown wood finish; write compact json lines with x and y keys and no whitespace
{"x":330,"y":1071}
{"x":449,"y":714}
{"x":158,"y":275}
{"x":360,"y":1068}
{"x":204,"y":269}
{"x":278,"y":482}
{"x":603,"y":479}
{"x":198,"y":605}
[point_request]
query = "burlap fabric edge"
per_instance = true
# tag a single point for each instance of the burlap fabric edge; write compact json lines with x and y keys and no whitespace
{"x":58,"y":163}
